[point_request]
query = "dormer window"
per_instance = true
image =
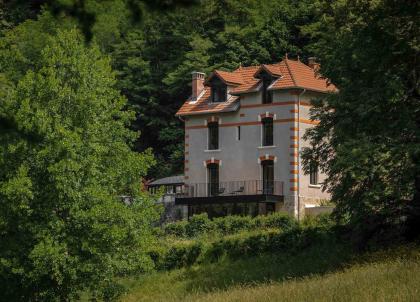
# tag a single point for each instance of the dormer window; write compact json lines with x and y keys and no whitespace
{"x":267,"y":95}
{"x":218,"y":91}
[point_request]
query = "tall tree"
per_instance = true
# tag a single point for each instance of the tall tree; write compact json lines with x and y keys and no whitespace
{"x":368,"y":138}
{"x":65,"y":162}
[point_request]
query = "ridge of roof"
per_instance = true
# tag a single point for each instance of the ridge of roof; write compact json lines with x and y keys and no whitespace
{"x":290,"y":72}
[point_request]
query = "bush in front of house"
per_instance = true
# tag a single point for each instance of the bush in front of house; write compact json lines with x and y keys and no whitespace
{"x":198,"y":225}
{"x":201,"y":225}
{"x":177,"y":229}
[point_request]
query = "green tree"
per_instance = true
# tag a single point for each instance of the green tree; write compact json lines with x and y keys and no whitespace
{"x":65,"y":160}
{"x":367,"y":140}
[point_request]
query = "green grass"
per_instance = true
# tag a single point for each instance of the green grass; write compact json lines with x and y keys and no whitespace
{"x":320,"y":273}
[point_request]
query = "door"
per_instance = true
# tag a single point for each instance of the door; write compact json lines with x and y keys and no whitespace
{"x":213,"y":179}
{"x":268,"y":177}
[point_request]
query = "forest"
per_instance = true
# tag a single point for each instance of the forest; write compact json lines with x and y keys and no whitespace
{"x":88,"y":95}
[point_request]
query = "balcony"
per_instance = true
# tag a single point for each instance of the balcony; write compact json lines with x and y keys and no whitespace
{"x":231,"y":191}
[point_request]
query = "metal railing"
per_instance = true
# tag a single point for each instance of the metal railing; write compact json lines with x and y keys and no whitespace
{"x":232,"y":188}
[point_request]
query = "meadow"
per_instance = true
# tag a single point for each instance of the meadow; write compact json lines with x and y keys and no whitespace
{"x":273,"y":259}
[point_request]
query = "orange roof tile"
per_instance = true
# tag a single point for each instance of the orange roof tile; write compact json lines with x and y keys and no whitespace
{"x":291,"y":74}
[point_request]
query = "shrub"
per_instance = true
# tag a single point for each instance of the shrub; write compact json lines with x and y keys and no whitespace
{"x":198,"y":225}
{"x":232,"y":224}
{"x":279,"y":221}
{"x":176,"y":228}
{"x":183,"y":255}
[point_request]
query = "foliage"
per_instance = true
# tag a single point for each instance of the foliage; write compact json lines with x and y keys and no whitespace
{"x":367,"y":141}
{"x":200,"y":225}
{"x":321,"y":273}
{"x":65,"y":158}
{"x":235,"y":237}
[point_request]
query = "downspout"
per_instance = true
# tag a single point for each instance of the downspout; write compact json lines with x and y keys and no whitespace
{"x":298,"y":149}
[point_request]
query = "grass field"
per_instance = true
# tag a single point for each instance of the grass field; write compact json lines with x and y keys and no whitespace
{"x":316,"y":274}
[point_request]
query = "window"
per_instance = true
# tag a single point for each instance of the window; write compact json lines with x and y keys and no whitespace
{"x":238,"y":133}
{"x":213,"y":136}
{"x":213,"y":179}
{"x":268,"y":176}
{"x":267,"y":95}
{"x":218,"y":91}
{"x":267,"y":131}
{"x":313,"y":174}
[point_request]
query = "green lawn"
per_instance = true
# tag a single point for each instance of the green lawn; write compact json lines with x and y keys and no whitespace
{"x":322,"y":273}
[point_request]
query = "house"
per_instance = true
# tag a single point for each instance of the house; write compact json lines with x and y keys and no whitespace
{"x":243,"y":135}
{"x":169,"y":187}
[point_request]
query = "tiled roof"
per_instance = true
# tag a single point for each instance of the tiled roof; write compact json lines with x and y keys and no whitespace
{"x":204,"y":105}
{"x":291,"y":74}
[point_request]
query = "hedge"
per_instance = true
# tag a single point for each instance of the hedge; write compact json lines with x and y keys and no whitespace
{"x":293,"y":238}
{"x":201,"y":225}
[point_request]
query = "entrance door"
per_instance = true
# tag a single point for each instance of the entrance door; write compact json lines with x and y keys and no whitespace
{"x":213,"y":179}
{"x":268,"y":177}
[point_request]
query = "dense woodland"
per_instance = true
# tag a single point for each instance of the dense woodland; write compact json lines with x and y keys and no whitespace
{"x":154,"y":54}
{"x":81,"y":79}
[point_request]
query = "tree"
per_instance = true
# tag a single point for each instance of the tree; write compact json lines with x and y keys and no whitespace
{"x":368,"y":138}
{"x":65,"y":160}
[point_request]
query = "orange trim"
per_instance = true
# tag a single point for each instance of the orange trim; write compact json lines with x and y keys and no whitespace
{"x":265,"y":115}
{"x":293,"y":188}
{"x":215,"y":161}
{"x":294,"y":163}
{"x":294,"y":154}
{"x":195,"y":127}
{"x":268,"y":105}
{"x":294,"y":138}
{"x":294,"y":111}
{"x":240,"y":124}
{"x":270,"y":157}
{"x":304,"y":121}
{"x":305,"y":104}
{"x":286,"y":120}
{"x":294,"y":172}
{"x":294,"y":129}
{"x":212,"y":119}
{"x":293,"y":180}
{"x":293,"y":146}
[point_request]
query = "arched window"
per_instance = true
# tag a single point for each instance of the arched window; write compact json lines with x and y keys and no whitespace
{"x":267,"y":131}
{"x":213,"y":135}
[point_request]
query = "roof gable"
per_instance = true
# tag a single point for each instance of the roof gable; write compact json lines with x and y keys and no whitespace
{"x":290,"y":74}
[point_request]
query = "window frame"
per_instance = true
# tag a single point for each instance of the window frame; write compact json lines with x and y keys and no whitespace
{"x":213,"y":130}
{"x":218,"y":91}
{"x":313,"y":174}
{"x":265,"y":123}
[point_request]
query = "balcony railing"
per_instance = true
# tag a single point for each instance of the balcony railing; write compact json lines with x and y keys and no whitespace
{"x":232,"y":188}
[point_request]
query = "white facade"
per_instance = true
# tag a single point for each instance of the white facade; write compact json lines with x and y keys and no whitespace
{"x":240,"y":159}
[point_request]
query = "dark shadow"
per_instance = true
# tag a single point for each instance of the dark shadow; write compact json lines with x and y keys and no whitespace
{"x":264,"y":268}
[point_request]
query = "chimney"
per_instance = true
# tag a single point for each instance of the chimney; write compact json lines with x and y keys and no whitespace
{"x":313,"y":64}
{"x":197,"y":84}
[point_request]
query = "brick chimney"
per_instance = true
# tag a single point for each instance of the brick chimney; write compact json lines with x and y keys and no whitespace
{"x":197,"y":84}
{"x":313,"y":64}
